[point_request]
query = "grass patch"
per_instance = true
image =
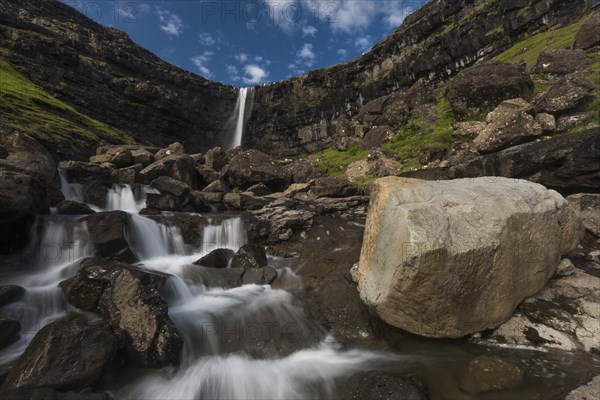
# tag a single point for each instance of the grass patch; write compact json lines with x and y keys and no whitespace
{"x":31,"y":109}
{"x":363,"y":181}
{"x":498,"y":29}
{"x":416,"y":135}
{"x":335,"y":162}
{"x":529,"y":49}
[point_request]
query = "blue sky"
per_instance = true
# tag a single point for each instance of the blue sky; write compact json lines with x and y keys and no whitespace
{"x":251,"y":42}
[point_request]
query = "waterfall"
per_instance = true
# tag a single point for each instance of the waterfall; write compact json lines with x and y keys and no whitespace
{"x":240,"y":113}
{"x":124,"y":197}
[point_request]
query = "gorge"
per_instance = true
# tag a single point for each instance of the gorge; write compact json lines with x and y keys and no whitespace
{"x":420,"y":223}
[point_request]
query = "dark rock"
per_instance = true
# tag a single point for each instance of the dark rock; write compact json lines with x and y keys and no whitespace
{"x":22,"y":197}
{"x":69,"y":207}
{"x":229,"y":277}
{"x":332,"y":187}
{"x":163,"y":202}
{"x":9,"y":332}
{"x":376,"y":137}
{"x":198,"y":202}
{"x":482,"y":87}
{"x":303,"y":171}
{"x":250,"y":256}
{"x":179,"y":167}
{"x":431,"y":154}
{"x":216,"y":158}
{"x":191,"y":226}
{"x":95,"y":179}
{"x":259,"y":276}
{"x":568,"y":93}
{"x":569,"y":121}
{"x":244,"y":201}
{"x":217,"y":186}
{"x":250,"y":167}
{"x":128,"y":299}
{"x":279,"y":219}
{"x":127,"y":175}
{"x":208,"y":197}
{"x":120,"y":157}
{"x":558,"y":62}
{"x":10,"y":293}
{"x":382,"y":385}
{"x":28,"y":154}
{"x":508,"y":125}
{"x":207,"y":175}
{"x":108,"y":233}
{"x":588,"y":35}
{"x":68,"y":354}
{"x":167,"y":185}
{"x":142,"y":156}
{"x":50,"y":394}
{"x":218,"y":258}
{"x":467,"y":129}
{"x":174,"y":149}
{"x":260,"y":189}
{"x":546,"y":121}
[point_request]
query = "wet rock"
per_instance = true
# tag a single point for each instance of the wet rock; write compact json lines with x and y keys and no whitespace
{"x":482,"y":87}
{"x":68,"y":207}
{"x":303,"y":171}
{"x":332,"y":187}
{"x":200,"y":201}
{"x":22,"y":197}
{"x":209,"y":197}
{"x":566,"y":94}
{"x":108,"y":233}
{"x":9,"y":332}
{"x":589,"y":35}
{"x":10,"y":293}
{"x":218,"y":186}
{"x":173,"y":187}
{"x":174,"y":149}
{"x":216,"y":158}
{"x":376,"y":137}
{"x":546,"y":121}
{"x":259,"y":276}
{"x":244,"y":201}
{"x":130,"y":303}
{"x":467,"y":129}
{"x":227,"y":278}
{"x":569,"y":121}
{"x":383,"y":385}
{"x":250,"y":167}
{"x":179,"y":167}
{"x":68,"y":354}
{"x":95,"y":179}
{"x":120,"y":157}
{"x":50,"y":394}
{"x":163,"y":202}
{"x":127,"y":175}
{"x":454,"y":229}
{"x":558,"y":62}
{"x":250,"y":256}
{"x":486,"y":373}
{"x":508,"y":125}
{"x":218,"y":258}
{"x":260,"y":189}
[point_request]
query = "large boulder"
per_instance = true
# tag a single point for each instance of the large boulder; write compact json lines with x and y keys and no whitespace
{"x":118,"y":156}
{"x":568,"y":93}
{"x":377,"y":136}
{"x":303,"y":171}
{"x":558,"y":62}
{"x":128,"y":299}
{"x":508,"y":125}
{"x":250,"y":255}
{"x":450,"y":258}
{"x":69,"y":207}
{"x":483,"y":86}
{"x":68,"y":354}
{"x":176,"y":149}
{"x":108,"y":234}
{"x":22,"y":197}
{"x":216,"y":158}
{"x":218,"y":258}
{"x":229,"y":277}
{"x":376,"y":164}
{"x":588,"y":35}
{"x":179,"y":167}
{"x":167,"y":185}
{"x":250,"y":167}
{"x":9,"y":331}
{"x":332,"y":187}
{"x":10,"y":293}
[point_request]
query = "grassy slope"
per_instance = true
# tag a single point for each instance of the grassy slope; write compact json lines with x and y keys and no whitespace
{"x":31,"y":109}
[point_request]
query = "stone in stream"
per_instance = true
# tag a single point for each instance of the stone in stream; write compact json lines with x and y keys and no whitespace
{"x":108,"y":234}
{"x":9,"y":332}
{"x":94,"y":179}
{"x":68,"y":354}
{"x":218,"y":258}
{"x":68,"y":207}
{"x":10,"y":293}
{"x":450,"y":258}
{"x":250,"y":256}
{"x":228,"y":278}
{"x":128,"y":299}
{"x":383,"y":385}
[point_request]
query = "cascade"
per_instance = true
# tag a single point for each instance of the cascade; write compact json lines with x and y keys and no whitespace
{"x":244,"y":95}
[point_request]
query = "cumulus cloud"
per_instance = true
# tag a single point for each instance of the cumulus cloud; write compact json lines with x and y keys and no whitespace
{"x":201,"y":61}
{"x":170,"y":23}
{"x":233,"y":72}
{"x":241,"y":57}
{"x":363,"y":43}
{"x":254,"y":74}
{"x":206,"y":39}
{"x":309,"y":31}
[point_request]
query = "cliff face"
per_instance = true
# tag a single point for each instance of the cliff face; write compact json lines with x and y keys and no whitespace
{"x":106,"y":76}
{"x":307,"y":113}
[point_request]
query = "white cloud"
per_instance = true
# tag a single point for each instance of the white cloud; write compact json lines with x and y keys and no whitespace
{"x":233,"y":72}
{"x":200,"y":62}
{"x":351,"y":16}
{"x":309,"y":31}
{"x":170,"y":23}
{"x":363,"y":43}
{"x":241,"y":58}
{"x":306,"y":53}
{"x":254,"y":74}
{"x":342,"y":53}
{"x":206,"y":39}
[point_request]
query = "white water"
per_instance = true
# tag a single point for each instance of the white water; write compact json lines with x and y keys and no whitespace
{"x":247,"y":342}
{"x":239,"y":111}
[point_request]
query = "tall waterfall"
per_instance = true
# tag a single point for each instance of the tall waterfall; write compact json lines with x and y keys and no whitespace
{"x":239,"y":114}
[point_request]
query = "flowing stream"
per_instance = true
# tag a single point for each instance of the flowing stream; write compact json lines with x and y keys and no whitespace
{"x":246,"y":342}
